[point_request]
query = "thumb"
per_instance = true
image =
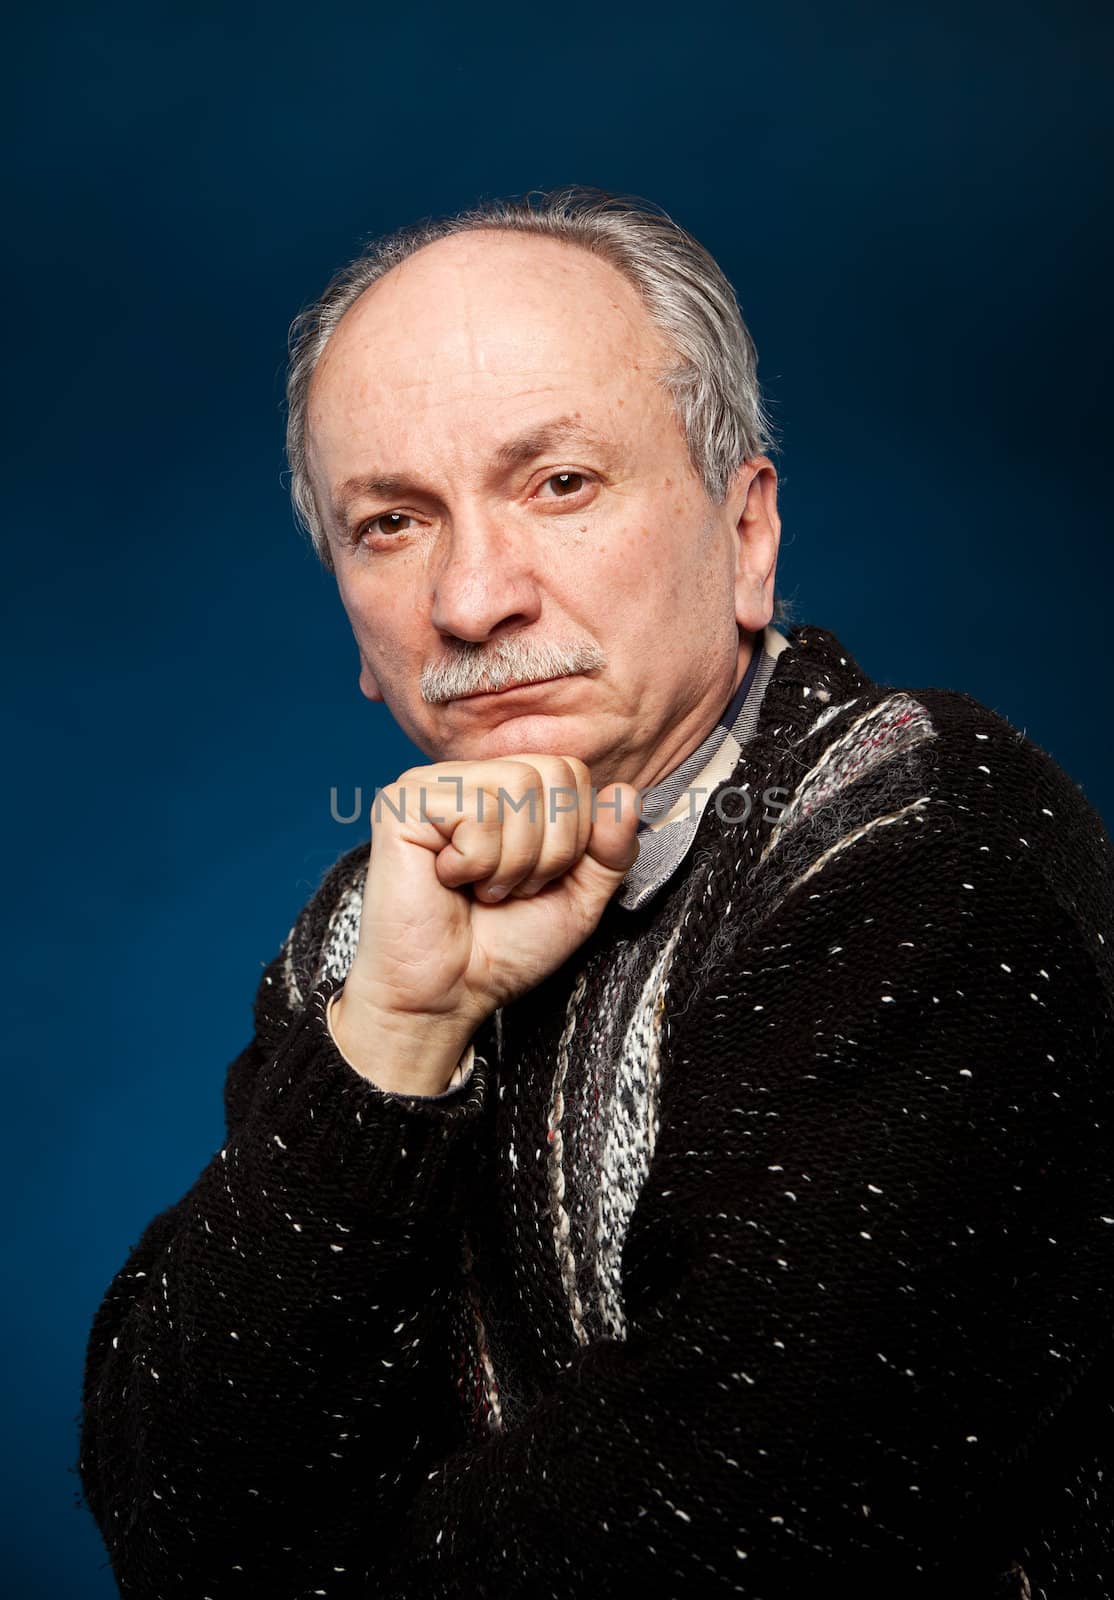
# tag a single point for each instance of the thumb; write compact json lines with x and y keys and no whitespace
{"x":613,"y":842}
{"x":611,"y":851}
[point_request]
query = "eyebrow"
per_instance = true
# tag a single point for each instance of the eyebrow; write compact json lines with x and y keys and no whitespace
{"x":514,"y":453}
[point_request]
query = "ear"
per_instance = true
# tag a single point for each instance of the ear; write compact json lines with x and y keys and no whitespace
{"x":752,"y":504}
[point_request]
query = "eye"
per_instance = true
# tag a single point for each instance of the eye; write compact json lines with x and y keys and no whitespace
{"x":565,"y":484}
{"x":389,"y":522}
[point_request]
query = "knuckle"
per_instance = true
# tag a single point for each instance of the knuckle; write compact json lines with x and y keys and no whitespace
{"x":393,"y":796}
{"x":578,"y":768}
{"x":522,"y":773}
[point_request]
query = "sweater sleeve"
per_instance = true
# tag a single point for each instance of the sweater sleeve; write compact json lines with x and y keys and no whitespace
{"x":866,"y":1282}
{"x":270,"y":1375}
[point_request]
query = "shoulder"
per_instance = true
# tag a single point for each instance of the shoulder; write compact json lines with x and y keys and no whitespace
{"x":843,"y":726}
{"x":856,"y":761}
{"x":1017,"y":804}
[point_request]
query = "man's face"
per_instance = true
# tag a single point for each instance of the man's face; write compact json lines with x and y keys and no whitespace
{"x":507,"y":494}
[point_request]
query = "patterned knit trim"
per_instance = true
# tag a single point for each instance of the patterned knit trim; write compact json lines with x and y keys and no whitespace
{"x":489,"y":1410}
{"x":632,"y":1127}
{"x":912,"y":812}
{"x":829,"y":713}
{"x":342,"y":935}
{"x":894,"y":724}
{"x":294,"y":996}
{"x":566,"y":1259}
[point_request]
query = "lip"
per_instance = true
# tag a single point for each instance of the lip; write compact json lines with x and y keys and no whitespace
{"x":511,"y":688}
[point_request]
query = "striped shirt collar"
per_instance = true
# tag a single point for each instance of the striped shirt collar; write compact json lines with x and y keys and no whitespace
{"x":672,"y":809}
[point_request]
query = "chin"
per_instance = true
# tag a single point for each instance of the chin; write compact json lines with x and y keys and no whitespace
{"x":521,"y":735}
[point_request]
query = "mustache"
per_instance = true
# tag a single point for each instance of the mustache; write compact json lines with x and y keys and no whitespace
{"x":478,"y":668}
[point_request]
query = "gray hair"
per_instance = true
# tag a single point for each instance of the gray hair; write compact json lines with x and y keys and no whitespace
{"x":713,"y":383}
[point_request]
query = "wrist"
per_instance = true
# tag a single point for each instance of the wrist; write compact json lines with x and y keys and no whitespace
{"x":398,"y":1052}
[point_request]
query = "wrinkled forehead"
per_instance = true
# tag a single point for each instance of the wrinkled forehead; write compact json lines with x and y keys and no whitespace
{"x":486,"y":315}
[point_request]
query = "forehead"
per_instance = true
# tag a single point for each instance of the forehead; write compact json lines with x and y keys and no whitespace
{"x":487,"y":318}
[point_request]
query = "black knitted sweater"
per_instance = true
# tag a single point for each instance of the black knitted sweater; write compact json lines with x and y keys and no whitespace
{"x":767,"y":1246}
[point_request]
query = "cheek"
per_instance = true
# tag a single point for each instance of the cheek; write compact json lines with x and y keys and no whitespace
{"x":674,"y":580}
{"x":382,"y":627}
{"x":637,"y":557}
{"x":641,"y":592}
{"x":359,"y":614}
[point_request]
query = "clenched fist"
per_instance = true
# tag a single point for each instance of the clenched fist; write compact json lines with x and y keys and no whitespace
{"x":484,"y":877}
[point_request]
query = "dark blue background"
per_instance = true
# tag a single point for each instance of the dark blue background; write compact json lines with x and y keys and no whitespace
{"x":910,"y":201}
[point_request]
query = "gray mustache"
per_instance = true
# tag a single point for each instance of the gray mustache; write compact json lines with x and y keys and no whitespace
{"x":473,"y":669}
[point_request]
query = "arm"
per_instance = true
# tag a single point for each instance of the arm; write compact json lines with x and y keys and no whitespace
{"x":270,"y":1376}
{"x":863,"y":1283}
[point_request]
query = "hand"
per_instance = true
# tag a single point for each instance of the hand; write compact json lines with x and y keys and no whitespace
{"x":484,"y":877}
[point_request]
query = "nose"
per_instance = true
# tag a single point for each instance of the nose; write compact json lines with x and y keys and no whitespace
{"x":482,"y":584}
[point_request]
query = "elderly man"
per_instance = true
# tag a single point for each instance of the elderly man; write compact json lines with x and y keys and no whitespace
{"x":676,"y":1154}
